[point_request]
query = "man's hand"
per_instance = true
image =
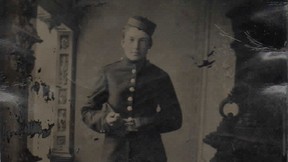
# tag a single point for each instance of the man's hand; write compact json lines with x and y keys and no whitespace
{"x":113,"y":119}
{"x":131,"y":125}
{"x":134,"y":124}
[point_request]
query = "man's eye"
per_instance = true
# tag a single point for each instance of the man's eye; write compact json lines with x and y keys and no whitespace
{"x":131,"y":39}
{"x":144,"y":40}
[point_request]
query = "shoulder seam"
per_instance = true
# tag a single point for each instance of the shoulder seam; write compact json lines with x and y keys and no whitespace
{"x":112,"y":63}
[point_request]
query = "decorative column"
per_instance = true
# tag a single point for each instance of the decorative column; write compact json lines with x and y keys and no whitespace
{"x":65,"y":16}
{"x":63,"y":141}
{"x":62,"y":136}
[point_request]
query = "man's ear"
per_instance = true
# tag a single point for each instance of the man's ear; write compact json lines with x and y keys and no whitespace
{"x":151,"y":43}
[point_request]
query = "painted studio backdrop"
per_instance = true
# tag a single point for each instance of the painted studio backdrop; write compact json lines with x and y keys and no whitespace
{"x":226,"y":59}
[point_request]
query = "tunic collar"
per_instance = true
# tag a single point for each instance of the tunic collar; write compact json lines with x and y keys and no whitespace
{"x":135,"y":64}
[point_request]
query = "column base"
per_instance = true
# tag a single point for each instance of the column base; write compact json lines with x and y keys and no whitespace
{"x":60,"y":157}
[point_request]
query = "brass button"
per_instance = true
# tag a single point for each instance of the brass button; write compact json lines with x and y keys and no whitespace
{"x":131,"y":89}
{"x":130,"y":99}
{"x":158,"y":109}
{"x":133,"y":71}
{"x":129,"y":108}
{"x":132,"y":80}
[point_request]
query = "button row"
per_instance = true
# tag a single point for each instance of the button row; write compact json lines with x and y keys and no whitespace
{"x":131,"y":89}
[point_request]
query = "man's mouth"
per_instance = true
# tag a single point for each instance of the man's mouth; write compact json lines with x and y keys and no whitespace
{"x":135,"y":53}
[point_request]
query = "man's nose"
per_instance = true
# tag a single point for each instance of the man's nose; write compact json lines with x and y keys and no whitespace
{"x":136,"y":44}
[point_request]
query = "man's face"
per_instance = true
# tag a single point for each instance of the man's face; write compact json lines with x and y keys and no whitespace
{"x":136,"y":44}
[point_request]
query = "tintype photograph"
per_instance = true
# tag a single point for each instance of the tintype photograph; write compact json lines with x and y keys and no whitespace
{"x":143,"y":80}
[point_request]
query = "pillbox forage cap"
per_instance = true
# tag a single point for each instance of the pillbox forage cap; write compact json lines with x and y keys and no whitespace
{"x":142,"y":23}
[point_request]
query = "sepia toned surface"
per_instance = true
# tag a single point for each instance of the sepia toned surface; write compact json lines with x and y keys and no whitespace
{"x":193,"y":43}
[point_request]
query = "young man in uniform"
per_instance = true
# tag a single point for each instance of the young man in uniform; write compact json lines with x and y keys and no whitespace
{"x":134,"y":101}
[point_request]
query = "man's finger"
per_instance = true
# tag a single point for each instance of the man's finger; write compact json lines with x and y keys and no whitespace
{"x":129,"y":120}
{"x":129,"y":123}
{"x":117,"y":115}
{"x":111,"y":114}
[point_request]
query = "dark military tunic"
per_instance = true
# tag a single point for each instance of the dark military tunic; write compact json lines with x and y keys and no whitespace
{"x":138,"y":90}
